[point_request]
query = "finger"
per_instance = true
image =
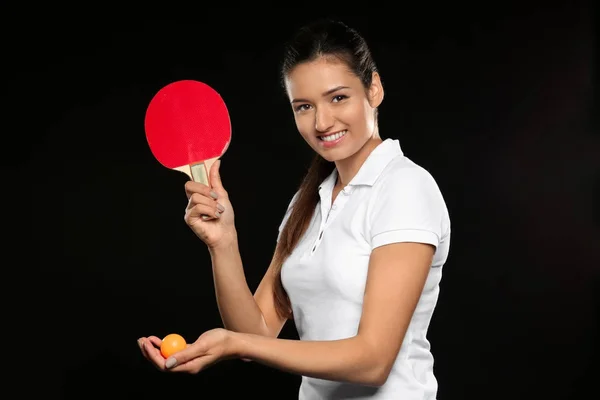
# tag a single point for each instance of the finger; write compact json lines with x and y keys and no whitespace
{"x":143,"y":343}
{"x":195,"y":365}
{"x":197,"y":198}
{"x":204,"y":197}
{"x":140,"y":343}
{"x":155,"y":341}
{"x":192,"y":187}
{"x":184,"y":356}
{"x":215,"y":177}
{"x":201,"y":209}
{"x":153,"y":354}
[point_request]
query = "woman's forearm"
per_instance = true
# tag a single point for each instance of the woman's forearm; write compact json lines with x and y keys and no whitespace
{"x":238,"y":309}
{"x":348,"y":360}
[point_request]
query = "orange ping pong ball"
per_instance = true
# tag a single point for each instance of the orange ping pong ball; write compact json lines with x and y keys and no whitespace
{"x":171,"y":344}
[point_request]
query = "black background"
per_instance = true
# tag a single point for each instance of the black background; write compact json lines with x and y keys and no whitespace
{"x":496,"y":103}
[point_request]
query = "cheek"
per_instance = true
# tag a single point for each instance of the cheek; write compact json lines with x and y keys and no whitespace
{"x":303,"y":124}
{"x":359,"y":117}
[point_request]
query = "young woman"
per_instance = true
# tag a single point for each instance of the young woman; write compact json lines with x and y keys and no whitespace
{"x":360,"y":251}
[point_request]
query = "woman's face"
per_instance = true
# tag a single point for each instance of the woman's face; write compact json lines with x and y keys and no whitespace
{"x":333,"y":111}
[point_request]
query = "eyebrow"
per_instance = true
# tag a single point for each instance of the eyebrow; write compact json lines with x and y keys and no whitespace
{"x":327,"y":93}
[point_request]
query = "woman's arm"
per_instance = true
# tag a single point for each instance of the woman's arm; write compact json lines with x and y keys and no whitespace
{"x":240,"y":310}
{"x":397,"y":274}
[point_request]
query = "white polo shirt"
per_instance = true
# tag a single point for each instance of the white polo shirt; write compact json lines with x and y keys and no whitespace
{"x":391,"y":199}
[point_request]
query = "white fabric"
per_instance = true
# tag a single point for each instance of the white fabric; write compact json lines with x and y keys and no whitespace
{"x":391,"y":199}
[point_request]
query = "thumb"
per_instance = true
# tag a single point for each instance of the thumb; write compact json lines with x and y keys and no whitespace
{"x":215,"y":176}
{"x":183,"y":356}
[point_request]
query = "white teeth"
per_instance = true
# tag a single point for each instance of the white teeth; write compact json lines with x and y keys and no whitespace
{"x":333,"y":137}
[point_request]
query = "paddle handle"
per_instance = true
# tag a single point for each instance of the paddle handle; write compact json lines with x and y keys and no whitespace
{"x":198,"y":172}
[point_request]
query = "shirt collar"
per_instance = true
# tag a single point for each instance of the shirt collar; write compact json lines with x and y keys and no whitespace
{"x":373,"y":166}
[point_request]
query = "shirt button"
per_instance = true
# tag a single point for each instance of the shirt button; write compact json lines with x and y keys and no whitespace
{"x":321,"y":235}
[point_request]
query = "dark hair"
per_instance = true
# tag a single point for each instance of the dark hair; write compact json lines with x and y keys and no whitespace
{"x":323,"y":38}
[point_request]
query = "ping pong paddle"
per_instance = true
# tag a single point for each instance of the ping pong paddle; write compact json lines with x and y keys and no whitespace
{"x":188,"y":128}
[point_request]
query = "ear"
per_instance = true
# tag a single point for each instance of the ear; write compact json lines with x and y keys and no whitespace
{"x":375,"y":91}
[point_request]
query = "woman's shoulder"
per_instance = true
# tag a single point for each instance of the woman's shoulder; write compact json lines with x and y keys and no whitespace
{"x":404,"y":171}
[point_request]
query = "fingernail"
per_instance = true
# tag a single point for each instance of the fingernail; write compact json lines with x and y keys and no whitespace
{"x":171,"y":362}
{"x":213,"y":195}
{"x":220,"y":207}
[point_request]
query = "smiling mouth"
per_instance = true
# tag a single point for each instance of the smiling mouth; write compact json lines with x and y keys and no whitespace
{"x":333,"y":136}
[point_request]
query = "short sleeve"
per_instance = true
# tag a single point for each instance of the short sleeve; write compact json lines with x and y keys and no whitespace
{"x":286,"y":215}
{"x":407,"y":207}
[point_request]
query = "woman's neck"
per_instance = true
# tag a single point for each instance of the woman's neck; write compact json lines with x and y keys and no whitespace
{"x":349,"y":167}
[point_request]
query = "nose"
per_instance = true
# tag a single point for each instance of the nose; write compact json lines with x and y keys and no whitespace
{"x":323,"y":119}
